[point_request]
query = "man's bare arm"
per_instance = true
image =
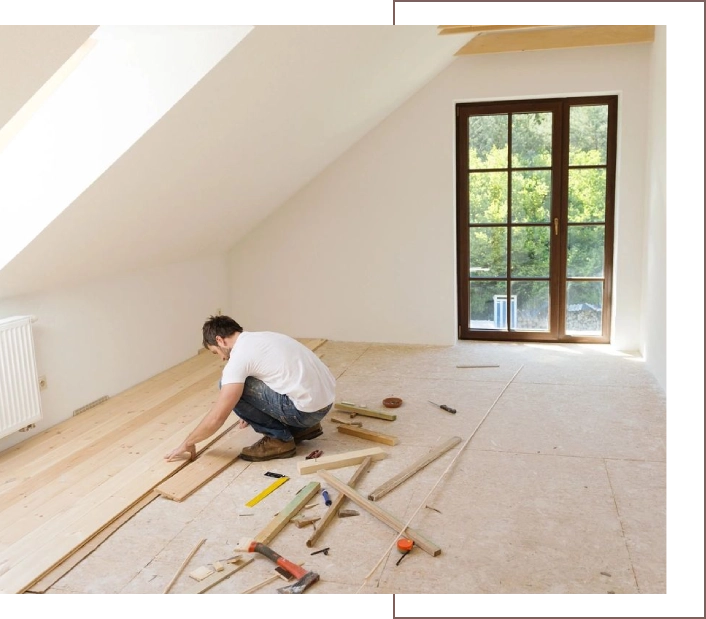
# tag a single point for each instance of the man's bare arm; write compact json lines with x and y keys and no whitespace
{"x":210,"y":424}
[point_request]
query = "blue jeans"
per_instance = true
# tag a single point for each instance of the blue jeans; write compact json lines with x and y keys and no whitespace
{"x":272,"y":413}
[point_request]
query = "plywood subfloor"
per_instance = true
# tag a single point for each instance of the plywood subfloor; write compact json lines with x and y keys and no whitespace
{"x":560,"y":490}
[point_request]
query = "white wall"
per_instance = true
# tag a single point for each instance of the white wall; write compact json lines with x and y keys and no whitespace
{"x":103,"y":337}
{"x":654,"y":337}
{"x":366,"y":252}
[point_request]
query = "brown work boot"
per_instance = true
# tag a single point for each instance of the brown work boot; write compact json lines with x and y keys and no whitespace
{"x":269,"y":448}
{"x":306,"y":434}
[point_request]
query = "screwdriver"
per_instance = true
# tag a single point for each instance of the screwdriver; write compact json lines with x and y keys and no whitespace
{"x":443,"y":407}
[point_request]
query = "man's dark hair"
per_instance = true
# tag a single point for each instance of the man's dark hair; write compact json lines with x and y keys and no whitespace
{"x":224,"y":326}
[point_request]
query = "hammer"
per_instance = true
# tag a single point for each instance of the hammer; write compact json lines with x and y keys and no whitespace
{"x":304,"y":578}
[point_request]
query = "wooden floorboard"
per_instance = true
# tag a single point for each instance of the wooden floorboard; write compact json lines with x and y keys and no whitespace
{"x":192,"y":477}
{"x":98,"y":455}
{"x":80,"y":553}
{"x":44,"y":450}
{"x":65,"y":490}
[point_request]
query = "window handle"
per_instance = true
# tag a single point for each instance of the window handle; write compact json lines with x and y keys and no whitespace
{"x":556,"y":226}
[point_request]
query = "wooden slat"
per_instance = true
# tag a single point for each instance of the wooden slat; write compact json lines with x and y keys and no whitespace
{"x":557,"y":38}
{"x":199,"y":472}
{"x":183,"y":565}
{"x":338,"y":503}
{"x":366,"y":412}
{"x":49,"y":449}
{"x":312,"y":343}
{"x":80,"y":553}
{"x":425,"y":544}
{"x":471,"y":29}
{"x":284,"y":516}
{"x":122,"y":435}
{"x":460,"y":25}
{"x":51,"y":543}
{"x":370,"y":435}
{"x":337,"y":461}
{"x":53,"y":491}
{"x":435,"y":453}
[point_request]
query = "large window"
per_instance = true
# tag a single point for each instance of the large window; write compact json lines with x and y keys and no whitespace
{"x":535,"y":219}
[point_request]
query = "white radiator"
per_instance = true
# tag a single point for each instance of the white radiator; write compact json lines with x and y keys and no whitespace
{"x":20,"y":404}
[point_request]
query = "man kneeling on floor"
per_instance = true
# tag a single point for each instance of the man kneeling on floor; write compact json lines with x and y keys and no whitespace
{"x":272,"y":382}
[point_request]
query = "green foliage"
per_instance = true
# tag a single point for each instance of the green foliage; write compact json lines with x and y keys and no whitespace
{"x":532,"y":140}
{"x":530,"y":192}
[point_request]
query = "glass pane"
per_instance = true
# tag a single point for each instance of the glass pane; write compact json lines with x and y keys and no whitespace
{"x":585,"y":251}
{"x":486,"y":310}
{"x":584,"y":308}
{"x":488,"y":252}
{"x":530,"y":251}
{"x":532,"y":140}
{"x":487,"y":142}
{"x":532,"y":305}
{"x":588,"y":135}
{"x":531,"y":196}
{"x":586,"y":195}
{"x":487,"y":197}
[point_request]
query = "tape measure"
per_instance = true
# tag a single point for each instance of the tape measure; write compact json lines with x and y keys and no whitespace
{"x":404,"y":545}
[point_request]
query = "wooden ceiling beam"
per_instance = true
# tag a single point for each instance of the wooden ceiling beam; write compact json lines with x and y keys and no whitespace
{"x":467,"y":29}
{"x":557,"y":38}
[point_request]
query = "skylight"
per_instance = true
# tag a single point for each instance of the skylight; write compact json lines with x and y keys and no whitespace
{"x":101,"y":101}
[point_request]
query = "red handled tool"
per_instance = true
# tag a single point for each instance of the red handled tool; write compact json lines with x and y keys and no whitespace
{"x":304,"y":578}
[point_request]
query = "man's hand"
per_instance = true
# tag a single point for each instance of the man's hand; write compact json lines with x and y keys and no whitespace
{"x":214,"y":419}
{"x":179,"y":451}
{"x":242,"y":424}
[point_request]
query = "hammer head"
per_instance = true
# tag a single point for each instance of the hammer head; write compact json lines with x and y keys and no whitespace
{"x":303,"y":583}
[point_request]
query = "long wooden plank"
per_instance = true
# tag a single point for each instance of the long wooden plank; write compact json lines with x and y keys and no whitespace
{"x":338,"y":461}
{"x":119,"y":426}
{"x":199,"y":472}
{"x":101,"y":461}
{"x":284,"y":516}
{"x":181,"y":375}
{"x":404,"y":475}
{"x":425,"y":544}
{"x":312,"y":343}
{"x":63,"y":568}
{"x":472,"y":29}
{"x":46,"y":449}
{"x":337,"y":503}
{"x":366,"y":412}
{"x":370,"y":435}
{"x":35,"y":502}
{"x":183,"y":565}
{"x":557,"y":38}
{"x":49,"y":544}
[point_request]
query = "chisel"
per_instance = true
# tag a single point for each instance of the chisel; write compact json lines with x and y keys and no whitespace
{"x":443,"y":407}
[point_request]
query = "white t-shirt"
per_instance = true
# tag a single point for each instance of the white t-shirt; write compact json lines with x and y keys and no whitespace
{"x":284,"y":365}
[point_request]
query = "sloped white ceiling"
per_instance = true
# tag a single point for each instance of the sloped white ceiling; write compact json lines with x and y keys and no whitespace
{"x":29,"y":56}
{"x":284,"y":104}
